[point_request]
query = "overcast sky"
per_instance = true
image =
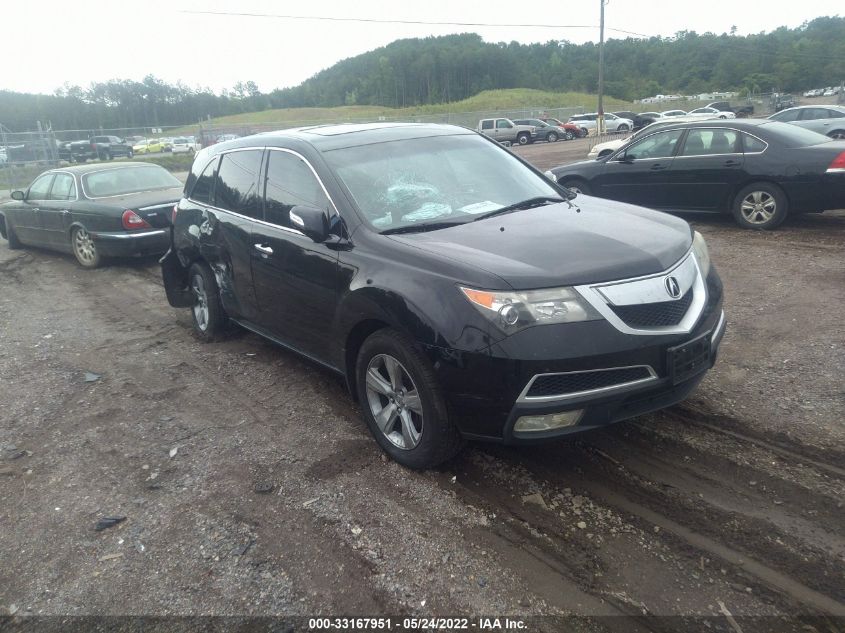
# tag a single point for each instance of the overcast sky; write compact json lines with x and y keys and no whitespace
{"x":49,"y":42}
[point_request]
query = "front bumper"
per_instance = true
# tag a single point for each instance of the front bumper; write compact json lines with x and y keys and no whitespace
{"x":126,"y":244}
{"x":487,"y":392}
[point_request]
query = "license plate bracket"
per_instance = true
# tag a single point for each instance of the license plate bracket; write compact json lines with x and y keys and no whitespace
{"x":689,"y":359}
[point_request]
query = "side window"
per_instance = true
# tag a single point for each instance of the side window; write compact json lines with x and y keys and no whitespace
{"x":835,"y":114}
{"x":487,"y":125}
{"x":236,"y":187}
{"x":710,"y":141}
{"x":752,"y":144}
{"x":38,"y":189}
{"x":63,"y":188}
{"x":660,"y":145}
{"x":290,"y":182}
{"x":811,"y":114}
{"x":503,"y":124}
{"x":787,"y":116}
{"x":204,"y":183}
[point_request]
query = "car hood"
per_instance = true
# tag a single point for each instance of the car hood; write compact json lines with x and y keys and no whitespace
{"x":595,"y":240}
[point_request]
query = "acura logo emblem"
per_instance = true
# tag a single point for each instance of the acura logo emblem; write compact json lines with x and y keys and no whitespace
{"x":672,"y":287}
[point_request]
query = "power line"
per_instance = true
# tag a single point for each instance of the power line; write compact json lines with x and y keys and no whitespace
{"x":380,"y":21}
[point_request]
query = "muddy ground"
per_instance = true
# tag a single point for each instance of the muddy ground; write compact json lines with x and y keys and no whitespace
{"x":251,"y":486}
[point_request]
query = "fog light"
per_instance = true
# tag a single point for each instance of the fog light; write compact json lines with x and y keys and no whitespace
{"x":536,"y":423}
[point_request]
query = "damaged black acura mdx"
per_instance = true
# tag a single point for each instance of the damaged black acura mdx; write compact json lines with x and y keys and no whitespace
{"x":459,"y":292}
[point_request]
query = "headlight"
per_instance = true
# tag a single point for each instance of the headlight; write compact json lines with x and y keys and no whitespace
{"x":517,"y":310}
{"x":699,"y":248}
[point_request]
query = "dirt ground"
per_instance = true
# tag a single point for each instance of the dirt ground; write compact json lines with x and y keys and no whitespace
{"x":250,"y":484}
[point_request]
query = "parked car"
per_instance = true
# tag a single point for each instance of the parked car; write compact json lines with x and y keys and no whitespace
{"x":744,"y":166}
{"x":97,"y":148}
{"x":640,"y":119}
{"x":149,"y":146}
{"x":184,"y":145}
{"x":744,"y":110}
{"x":828,"y":120}
{"x":94,"y":211}
{"x":612,"y":123}
{"x":543,"y":131}
{"x":669,"y":114}
{"x":506,"y":131}
{"x":574,"y":130}
{"x":223,"y":138}
{"x":458,"y":291}
{"x":711,"y":113}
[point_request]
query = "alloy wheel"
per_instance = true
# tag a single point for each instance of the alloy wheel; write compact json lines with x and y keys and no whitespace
{"x":758,"y":207}
{"x":394,"y":401}
{"x":84,"y":247}
{"x":200,"y":308}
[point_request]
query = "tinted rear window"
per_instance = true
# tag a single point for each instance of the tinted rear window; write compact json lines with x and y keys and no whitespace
{"x":115,"y":182}
{"x":236,"y":188}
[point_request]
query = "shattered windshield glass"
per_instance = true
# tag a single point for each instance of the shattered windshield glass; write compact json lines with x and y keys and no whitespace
{"x":434,"y":179}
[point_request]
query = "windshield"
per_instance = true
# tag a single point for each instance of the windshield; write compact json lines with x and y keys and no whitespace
{"x":439,"y":179}
{"x":115,"y":182}
{"x":180,"y":141}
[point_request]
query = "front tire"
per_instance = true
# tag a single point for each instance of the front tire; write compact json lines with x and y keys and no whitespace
{"x":577,"y":185}
{"x":11,"y":236}
{"x":402,"y":402}
{"x":761,"y":206}
{"x":207,"y":314}
{"x":552,"y":137}
{"x":837,"y":134}
{"x":84,"y":248}
{"x":523,"y":139}
{"x":622,"y":128}
{"x":568,"y":136}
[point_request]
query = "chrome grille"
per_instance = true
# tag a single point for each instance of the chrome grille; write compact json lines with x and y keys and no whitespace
{"x":546,"y":385}
{"x":660,"y":314}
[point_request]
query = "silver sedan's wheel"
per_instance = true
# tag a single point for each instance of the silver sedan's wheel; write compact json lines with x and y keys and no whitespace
{"x":394,"y":401}
{"x":200,"y":308}
{"x":84,"y":248}
{"x":759,"y":207}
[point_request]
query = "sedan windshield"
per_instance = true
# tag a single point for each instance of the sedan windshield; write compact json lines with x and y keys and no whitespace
{"x":445,"y":180}
{"x":116,"y":182}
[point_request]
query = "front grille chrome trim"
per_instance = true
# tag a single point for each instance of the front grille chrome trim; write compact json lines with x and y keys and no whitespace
{"x":525,"y":398}
{"x":598,"y":296}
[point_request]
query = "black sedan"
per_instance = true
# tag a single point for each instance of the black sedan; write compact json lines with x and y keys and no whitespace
{"x":94,"y":211}
{"x":459,"y":292}
{"x":640,"y":119}
{"x":759,"y":170}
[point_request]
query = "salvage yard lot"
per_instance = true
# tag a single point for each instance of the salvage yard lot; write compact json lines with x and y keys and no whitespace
{"x":251,"y":485}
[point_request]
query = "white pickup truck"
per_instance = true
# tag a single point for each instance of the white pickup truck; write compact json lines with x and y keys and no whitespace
{"x":506,"y":131}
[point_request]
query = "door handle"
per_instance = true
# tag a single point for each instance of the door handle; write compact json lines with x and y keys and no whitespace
{"x":263,"y":248}
{"x":657,"y":167}
{"x":732,"y":163}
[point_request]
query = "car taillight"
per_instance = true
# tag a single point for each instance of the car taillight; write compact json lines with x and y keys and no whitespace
{"x":93,"y":146}
{"x":132,"y":220}
{"x":838,"y":164}
{"x":173,"y":215}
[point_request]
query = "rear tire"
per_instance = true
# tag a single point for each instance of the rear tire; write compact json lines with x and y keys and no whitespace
{"x":837,"y":134}
{"x":207,"y":315}
{"x":85,"y":248}
{"x":577,"y":185}
{"x":402,"y":402}
{"x":761,"y":206}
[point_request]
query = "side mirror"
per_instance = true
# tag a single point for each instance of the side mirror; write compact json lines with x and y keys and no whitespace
{"x":18,"y":195}
{"x":312,"y":221}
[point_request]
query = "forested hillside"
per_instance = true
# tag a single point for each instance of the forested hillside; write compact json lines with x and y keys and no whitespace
{"x":416,"y":72}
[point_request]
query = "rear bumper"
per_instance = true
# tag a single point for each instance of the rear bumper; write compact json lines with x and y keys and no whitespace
{"x":126,"y":244}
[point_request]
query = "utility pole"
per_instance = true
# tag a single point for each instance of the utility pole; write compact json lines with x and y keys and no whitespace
{"x":600,"y":121}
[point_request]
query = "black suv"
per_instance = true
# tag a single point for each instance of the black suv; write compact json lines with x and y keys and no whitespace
{"x":458,"y":291}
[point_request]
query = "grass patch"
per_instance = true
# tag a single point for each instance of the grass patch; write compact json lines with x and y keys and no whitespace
{"x":513,"y":99}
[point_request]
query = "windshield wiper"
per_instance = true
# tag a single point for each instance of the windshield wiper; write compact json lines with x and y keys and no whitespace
{"x":530,"y":203}
{"x":420,"y":228}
